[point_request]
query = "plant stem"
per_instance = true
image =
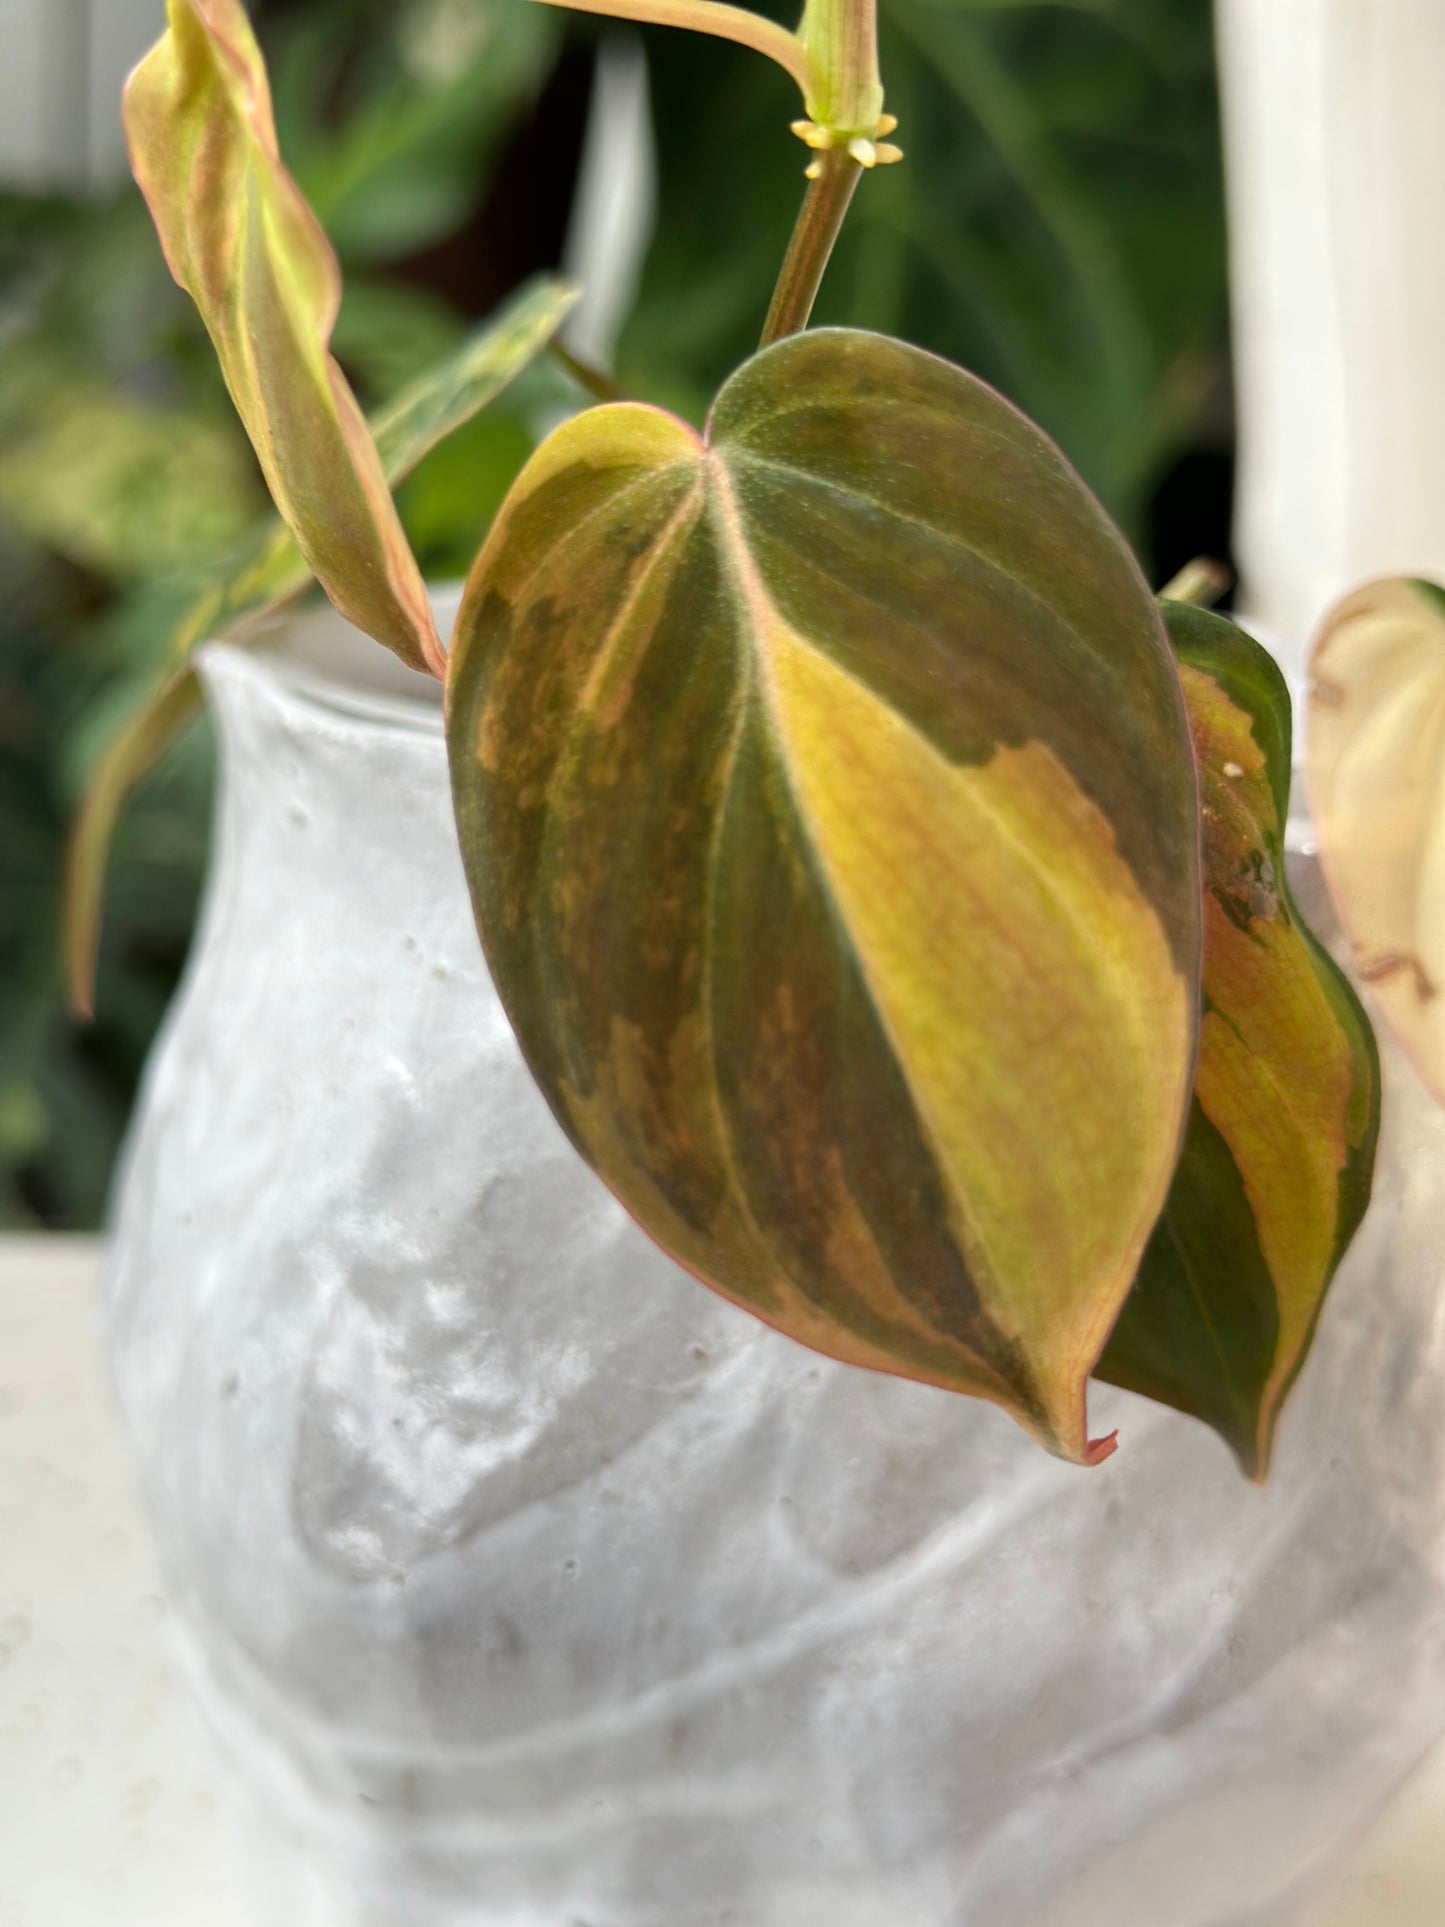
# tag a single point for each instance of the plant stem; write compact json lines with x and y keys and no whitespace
{"x":712,"y":16}
{"x":598,"y":384}
{"x":819,"y":220}
{"x":1202,"y":582}
{"x":841,"y":39}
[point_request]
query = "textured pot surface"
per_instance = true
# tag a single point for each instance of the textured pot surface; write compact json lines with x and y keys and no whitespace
{"x":534,"y":1586}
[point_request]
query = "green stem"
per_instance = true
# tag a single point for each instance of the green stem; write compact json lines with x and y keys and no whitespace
{"x":1202,"y":582}
{"x":819,"y":221}
{"x":841,"y":40}
{"x":712,"y":16}
{"x":595,"y":381}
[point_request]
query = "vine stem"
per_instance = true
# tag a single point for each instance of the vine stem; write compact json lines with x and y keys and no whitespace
{"x":726,"y":22}
{"x":1202,"y":582}
{"x":819,"y":220}
{"x":598,"y":384}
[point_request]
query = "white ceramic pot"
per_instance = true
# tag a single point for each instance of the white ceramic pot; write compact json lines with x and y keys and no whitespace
{"x":534,"y":1586}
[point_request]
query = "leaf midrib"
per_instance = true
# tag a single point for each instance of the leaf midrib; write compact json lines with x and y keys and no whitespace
{"x":755,"y":599}
{"x":945,"y":538}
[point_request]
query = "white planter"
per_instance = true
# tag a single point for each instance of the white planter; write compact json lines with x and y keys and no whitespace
{"x":534,"y":1586}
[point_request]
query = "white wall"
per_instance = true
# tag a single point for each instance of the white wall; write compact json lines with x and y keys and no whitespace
{"x":62,"y":63}
{"x":1335,"y":140}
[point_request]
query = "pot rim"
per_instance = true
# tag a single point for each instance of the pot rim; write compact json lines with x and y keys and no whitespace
{"x":322,"y":664}
{"x":325,"y":695}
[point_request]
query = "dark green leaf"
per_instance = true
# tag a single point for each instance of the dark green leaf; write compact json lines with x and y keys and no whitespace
{"x":1278,"y":1162}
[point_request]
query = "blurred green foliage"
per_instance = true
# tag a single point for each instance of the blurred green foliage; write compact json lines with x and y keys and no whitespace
{"x":1058,"y":226}
{"x":123,"y":471}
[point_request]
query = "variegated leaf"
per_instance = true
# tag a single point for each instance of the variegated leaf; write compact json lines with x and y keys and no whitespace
{"x":271,"y":573}
{"x":1278,"y":1161}
{"x":273,"y":569}
{"x":826,"y":796}
{"x":239,"y":237}
{"x":120,"y":485}
{"x":1375,"y":767}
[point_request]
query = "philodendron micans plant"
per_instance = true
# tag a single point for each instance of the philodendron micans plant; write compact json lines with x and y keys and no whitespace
{"x":887,"y":892}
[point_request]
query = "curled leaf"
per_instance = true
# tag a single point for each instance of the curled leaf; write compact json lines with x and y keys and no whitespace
{"x":272,"y":569}
{"x":239,"y":237}
{"x":826,"y":797}
{"x":1277,"y":1165}
{"x":1375,"y":768}
{"x":271,"y":572}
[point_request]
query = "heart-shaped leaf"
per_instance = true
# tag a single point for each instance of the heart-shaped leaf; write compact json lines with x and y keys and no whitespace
{"x":271,"y":573}
{"x":827,"y":801}
{"x":1375,"y":767}
{"x":1279,"y":1156}
{"x":239,"y":237}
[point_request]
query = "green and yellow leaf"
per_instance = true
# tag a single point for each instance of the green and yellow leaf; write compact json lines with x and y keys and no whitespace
{"x":1375,"y":768}
{"x":1279,"y":1156}
{"x":239,"y":237}
{"x":460,"y":386}
{"x":826,"y":796}
{"x":272,"y":569}
{"x":271,"y":572}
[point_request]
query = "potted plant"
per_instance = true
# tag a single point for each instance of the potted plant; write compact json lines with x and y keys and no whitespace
{"x":888,"y":901}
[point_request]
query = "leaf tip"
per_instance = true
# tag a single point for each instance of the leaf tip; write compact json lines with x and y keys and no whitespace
{"x":81,"y":995}
{"x":80,"y":990}
{"x":1254,"y":1455}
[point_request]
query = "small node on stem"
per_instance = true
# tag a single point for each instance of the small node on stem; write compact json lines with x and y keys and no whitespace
{"x":813,"y":171}
{"x":868,"y":152}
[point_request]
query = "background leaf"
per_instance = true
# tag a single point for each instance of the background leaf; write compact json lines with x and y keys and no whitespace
{"x":1375,"y":765}
{"x":118,"y":484}
{"x":827,"y":802}
{"x":1279,"y":1157}
{"x":1058,"y":228}
{"x":392,"y":113}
